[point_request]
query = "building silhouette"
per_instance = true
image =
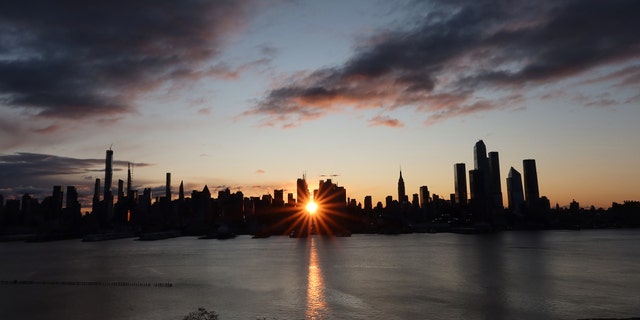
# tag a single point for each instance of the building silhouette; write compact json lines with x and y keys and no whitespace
{"x":402,"y":195}
{"x":330,"y":195}
{"x":167,"y":188}
{"x":129,"y":182}
{"x":107,"y":209}
{"x":515,"y":195}
{"x":290,"y":199}
{"x":278,"y":197}
{"x":368,"y":203}
{"x":57,"y":198}
{"x":480,"y":160}
{"x":424,"y":196}
{"x":479,"y":183}
{"x":476,"y":188}
{"x":495,"y":183}
{"x":486,"y":187}
{"x":476,"y":211}
{"x":302,"y":191}
{"x":460,"y":183}
{"x":531,"y":192}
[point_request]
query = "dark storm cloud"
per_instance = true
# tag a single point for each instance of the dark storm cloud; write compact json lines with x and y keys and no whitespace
{"x":458,"y":48}
{"x":76,"y":59}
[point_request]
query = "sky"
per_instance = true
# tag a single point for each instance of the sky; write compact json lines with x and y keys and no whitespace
{"x":251,"y":95}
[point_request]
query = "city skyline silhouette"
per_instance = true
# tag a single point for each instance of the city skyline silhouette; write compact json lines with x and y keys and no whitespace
{"x":248,"y":96}
{"x":404,"y":159}
{"x":475,"y":206}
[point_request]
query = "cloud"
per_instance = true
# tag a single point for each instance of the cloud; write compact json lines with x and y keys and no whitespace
{"x":49,"y":129}
{"x":385,"y":121}
{"x":69,"y":61}
{"x":260,"y":171}
{"x":204,"y":111}
{"x":458,"y":51}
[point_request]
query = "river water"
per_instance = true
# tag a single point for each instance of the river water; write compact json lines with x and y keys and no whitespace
{"x":509,"y":275}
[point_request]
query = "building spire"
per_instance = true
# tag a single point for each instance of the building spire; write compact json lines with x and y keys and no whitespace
{"x":402,"y":196}
{"x":181,"y":191}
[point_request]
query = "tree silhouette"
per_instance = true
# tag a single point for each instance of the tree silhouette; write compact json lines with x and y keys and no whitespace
{"x":201,"y":314}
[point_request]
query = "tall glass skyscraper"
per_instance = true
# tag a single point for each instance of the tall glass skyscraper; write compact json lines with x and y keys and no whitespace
{"x":515,"y":196}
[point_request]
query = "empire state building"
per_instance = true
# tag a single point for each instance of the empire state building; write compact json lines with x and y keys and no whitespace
{"x":402,"y":195}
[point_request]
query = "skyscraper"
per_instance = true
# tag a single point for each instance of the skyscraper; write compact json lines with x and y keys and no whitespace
{"x":108,"y":174}
{"x":368,"y":203}
{"x":128,"y":179}
{"x":72,"y":205}
{"x":56,"y":200}
{"x":331,"y":195}
{"x":402,"y":195}
{"x":290,"y":199}
{"x":515,"y":196}
{"x":424,"y":196}
{"x":494,"y":178}
{"x":278,"y":197}
{"x":476,"y":185}
{"x":181,"y":192}
{"x":167,"y":188}
{"x":531,"y":191}
{"x":120,"y":190}
{"x":302,"y":191}
{"x":108,"y":195}
{"x":95,"y":206}
{"x":478,"y":204}
{"x":480,"y":160}
{"x":481,"y":164}
{"x":460,"y":183}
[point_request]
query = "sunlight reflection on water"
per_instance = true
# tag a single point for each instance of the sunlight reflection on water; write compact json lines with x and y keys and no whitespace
{"x":316,"y":300}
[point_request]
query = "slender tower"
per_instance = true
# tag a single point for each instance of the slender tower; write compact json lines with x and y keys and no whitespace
{"x":128,"y":178}
{"x":402,"y":195}
{"x":181,"y":192}
{"x":167,"y":188}
{"x":108,"y":195}
{"x":95,"y":206}
{"x":120,"y":191}
{"x":108,"y":174}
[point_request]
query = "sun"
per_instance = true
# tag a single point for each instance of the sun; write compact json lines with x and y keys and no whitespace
{"x":312,"y":207}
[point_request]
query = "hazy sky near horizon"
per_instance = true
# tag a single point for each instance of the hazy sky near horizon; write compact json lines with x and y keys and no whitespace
{"x":250,"y":95}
